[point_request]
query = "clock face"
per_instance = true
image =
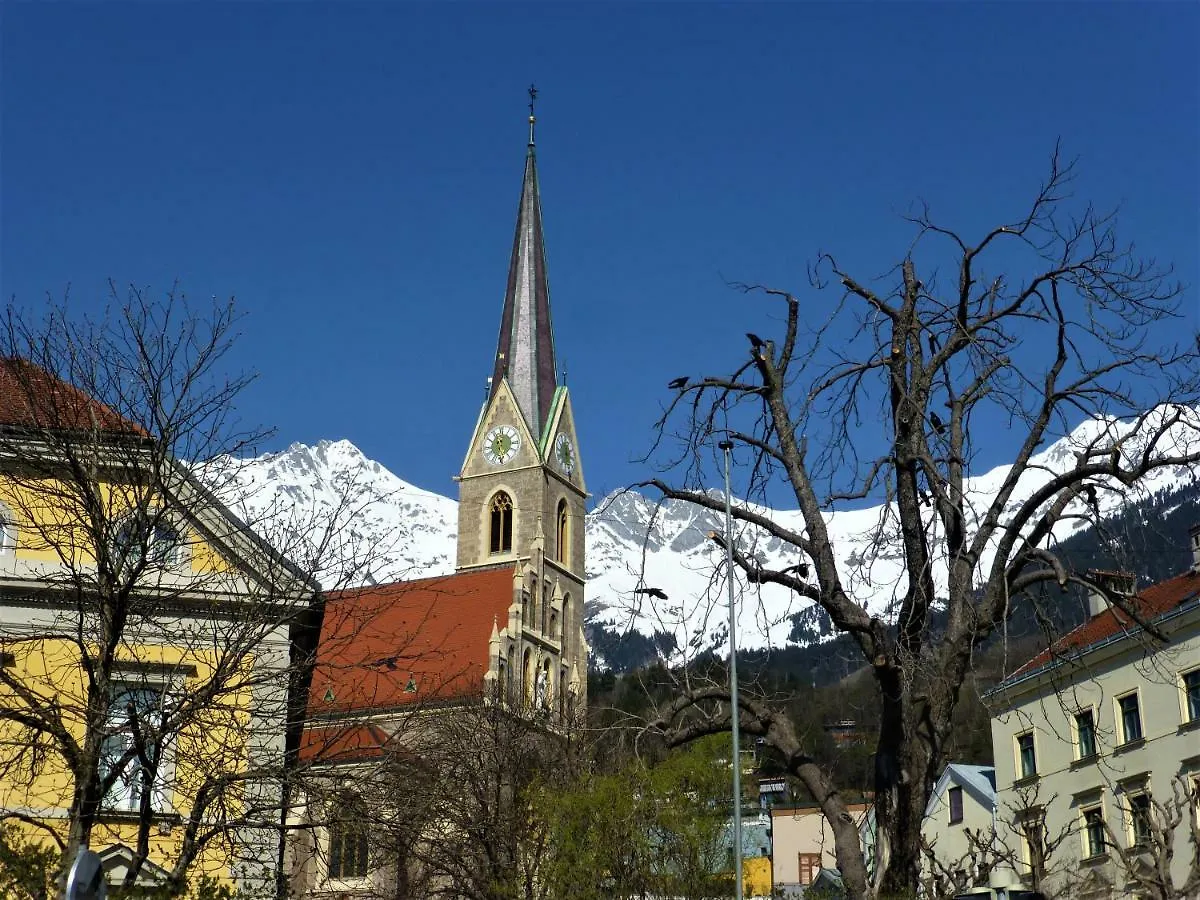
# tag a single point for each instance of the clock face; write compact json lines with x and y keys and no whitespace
{"x":501,"y":444}
{"x":564,"y":453}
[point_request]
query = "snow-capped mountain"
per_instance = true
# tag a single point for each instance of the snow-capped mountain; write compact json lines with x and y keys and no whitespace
{"x":373,"y":526}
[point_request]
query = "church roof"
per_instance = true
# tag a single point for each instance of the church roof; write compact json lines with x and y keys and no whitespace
{"x":335,"y":743}
{"x":525,"y":350}
{"x":392,"y":645}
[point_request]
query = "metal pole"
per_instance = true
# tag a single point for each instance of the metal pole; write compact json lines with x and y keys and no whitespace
{"x":727,"y":447}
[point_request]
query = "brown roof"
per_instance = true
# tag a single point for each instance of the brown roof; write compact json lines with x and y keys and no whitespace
{"x":1149,"y":604}
{"x":394,"y":644}
{"x":31,"y":397}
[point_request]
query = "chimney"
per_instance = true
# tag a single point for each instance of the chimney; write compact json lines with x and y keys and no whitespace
{"x":1122,"y":583}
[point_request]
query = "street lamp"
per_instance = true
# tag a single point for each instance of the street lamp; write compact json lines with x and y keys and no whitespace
{"x":735,"y":713}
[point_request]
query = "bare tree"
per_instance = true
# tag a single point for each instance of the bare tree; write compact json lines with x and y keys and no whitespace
{"x":155,"y":648}
{"x":1144,"y":863}
{"x":890,"y":393}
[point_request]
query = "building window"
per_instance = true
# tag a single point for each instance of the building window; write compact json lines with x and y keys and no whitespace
{"x":139,"y":543}
{"x":1139,"y":819}
{"x":1033,"y":842}
{"x":1130,"y":717}
{"x":810,"y":865}
{"x":1085,"y":734}
{"x":1093,"y":831}
{"x":1191,"y":695}
{"x":564,"y":534}
{"x":8,"y":530}
{"x":131,"y":750}
{"x":956,"y":805}
{"x":1026,"y":754}
{"x":349,"y":841}
{"x":501,"y":524}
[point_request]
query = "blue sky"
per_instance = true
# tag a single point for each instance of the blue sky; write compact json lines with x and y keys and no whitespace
{"x":350,"y":172}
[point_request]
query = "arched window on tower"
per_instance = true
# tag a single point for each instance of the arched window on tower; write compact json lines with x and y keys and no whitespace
{"x":501,"y":523}
{"x":564,"y":534}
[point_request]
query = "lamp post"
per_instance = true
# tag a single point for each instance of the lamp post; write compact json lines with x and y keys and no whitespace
{"x":735,"y":712}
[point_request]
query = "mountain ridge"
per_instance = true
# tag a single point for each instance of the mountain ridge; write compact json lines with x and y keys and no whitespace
{"x":385,"y":529}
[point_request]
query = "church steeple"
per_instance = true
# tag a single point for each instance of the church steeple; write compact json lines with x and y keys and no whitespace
{"x":525,"y":350}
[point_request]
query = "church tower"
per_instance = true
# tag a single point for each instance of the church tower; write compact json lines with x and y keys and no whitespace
{"x":521,"y":489}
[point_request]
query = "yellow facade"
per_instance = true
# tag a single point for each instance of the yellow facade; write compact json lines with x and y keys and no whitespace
{"x":756,"y":876}
{"x":184,"y":650}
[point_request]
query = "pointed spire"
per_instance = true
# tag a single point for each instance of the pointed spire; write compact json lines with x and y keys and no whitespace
{"x":525,"y":350}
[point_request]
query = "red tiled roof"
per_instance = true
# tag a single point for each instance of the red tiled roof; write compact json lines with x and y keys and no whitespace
{"x":394,"y":644}
{"x":31,"y":397}
{"x":342,"y":743}
{"x":1149,"y":604}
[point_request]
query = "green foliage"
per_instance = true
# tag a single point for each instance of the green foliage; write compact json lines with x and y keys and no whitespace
{"x":644,"y":830}
{"x":26,"y":866}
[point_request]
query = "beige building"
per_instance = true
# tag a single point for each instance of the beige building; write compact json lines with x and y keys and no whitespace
{"x":802,"y":845}
{"x":959,"y":822}
{"x":1098,"y":736}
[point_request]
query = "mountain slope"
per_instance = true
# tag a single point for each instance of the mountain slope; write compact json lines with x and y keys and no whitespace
{"x":386,"y":529}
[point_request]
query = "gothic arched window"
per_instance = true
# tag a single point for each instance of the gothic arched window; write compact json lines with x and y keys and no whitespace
{"x":501,"y":530}
{"x":564,"y":534}
{"x":349,"y":839}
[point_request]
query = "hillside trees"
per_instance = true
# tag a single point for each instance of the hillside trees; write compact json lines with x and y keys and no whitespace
{"x":155,"y":648}
{"x":890,"y":390}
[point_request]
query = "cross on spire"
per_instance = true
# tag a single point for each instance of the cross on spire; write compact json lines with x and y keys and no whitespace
{"x":532,"y":118}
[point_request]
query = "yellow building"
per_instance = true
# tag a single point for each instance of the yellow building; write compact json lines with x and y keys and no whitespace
{"x":146,"y":640}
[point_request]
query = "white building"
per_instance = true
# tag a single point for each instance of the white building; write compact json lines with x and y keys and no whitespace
{"x":958,"y":826}
{"x":1097,"y":741}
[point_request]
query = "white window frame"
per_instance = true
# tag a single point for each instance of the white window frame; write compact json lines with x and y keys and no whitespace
{"x":1020,"y":768}
{"x":8,"y":532}
{"x":1077,"y":745}
{"x":341,"y":880}
{"x":1119,"y":715}
{"x":962,"y":805}
{"x":123,"y":796}
{"x":177,"y":556}
{"x":1035,"y":816}
{"x":1185,"y":717}
{"x":1084,"y":834}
